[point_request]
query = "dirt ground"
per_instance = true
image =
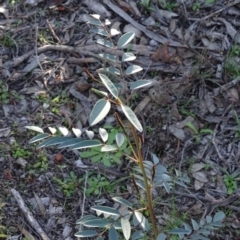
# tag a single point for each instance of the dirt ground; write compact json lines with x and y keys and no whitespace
{"x":188,"y":50}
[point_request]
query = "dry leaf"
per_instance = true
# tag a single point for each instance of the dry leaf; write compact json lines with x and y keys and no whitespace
{"x":162,"y":54}
{"x":125,"y":6}
{"x":200,"y":176}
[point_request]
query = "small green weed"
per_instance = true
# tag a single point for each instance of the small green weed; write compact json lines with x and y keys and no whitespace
{"x":108,"y":158}
{"x":7,"y":41}
{"x":20,"y":151}
{"x":196,"y":6}
{"x":96,"y":184}
{"x":42,"y":162}
{"x":232,"y":67}
{"x":197,"y":133}
{"x":230,"y":181}
{"x":69,"y":185}
{"x":146,"y":5}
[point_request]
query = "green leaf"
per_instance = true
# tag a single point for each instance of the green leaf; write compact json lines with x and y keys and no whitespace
{"x":105,"y":43}
{"x":104,"y":134}
{"x":112,"y":234}
{"x":178,"y":231}
{"x":161,"y":236}
{"x":96,"y":223}
{"x":109,"y":85}
{"x":195,"y":225}
{"x":120,"y":139}
{"x":108,"y":210}
{"x":126,"y":228}
{"x":125,"y":39}
{"x":108,"y":148}
{"x":35,"y":128}
{"x":99,"y":31}
{"x":70,"y":142}
{"x":88,"y":154}
{"x":113,"y":70}
{"x":108,"y":57}
{"x":139,"y":84}
{"x":128,"y":57}
{"x":86,"y":233}
{"x":219,"y":216}
{"x":100,"y":110}
{"x":139,"y":219}
{"x":133,"y":69}
{"x":132,"y":117}
{"x":52,"y":141}
{"x":122,"y":201}
{"x":137,"y":235}
{"x":96,"y":22}
{"x":86,"y":144}
{"x":86,"y":218}
{"x":39,"y":137}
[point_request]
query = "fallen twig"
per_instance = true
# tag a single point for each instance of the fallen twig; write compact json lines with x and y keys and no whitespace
{"x":29,"y":215}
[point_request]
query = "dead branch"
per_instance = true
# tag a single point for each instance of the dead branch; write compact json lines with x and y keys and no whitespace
{"x":29,"y":215}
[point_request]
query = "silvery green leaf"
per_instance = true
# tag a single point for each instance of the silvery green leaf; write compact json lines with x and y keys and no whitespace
{"x":198,"y":237}
{"x":133,"y":69}
{"x":113,"y":70}
{"x":161,"y":236}
{"x":203,"y":231}
{"x":120,"y":139}
{"x":128,"y":57}
{"x":105,"y":43}
{"x":178,"y":231}
{"x":187,"y":227}
{"x":122,"y":201}
{"x":125,"y":39}
{"x":132,"y":117}
{"x":39,"y":137}
{"x":63,"y":130}
{"x":104,"y":134}
{"x":35,"y":128}
{"x":52,"y":130}
{"x":77,"y":132}
{"x":90,"y":134}
{"x":53,"y":141}
{"x":107,"y":56}
{"x":108,"y":210}
{"x":96,"y":223}
{"x":108,"y":148}
{"x":208,"y":219}
{"x":141,"y":221}
{"x":95,"y":22}
{"x":167,"y":186}
{"x":216,"y":224}
{"x":141,"y":185}
{"x":100,"y":110}
{"x":112,"y":234}
{"x":86,"y":144}
{"x":155,"y":159}
{"x":99,"y":31}
{"x":86,"y":218}
{"x":139,"y":84}
{"x":86,"y":233}
{"x":137,"y":235}
{"x":70,"y":142}
{"x":195,"y":225}
{"x":126,"y":228}
{"x":109,"y":85}
{"x":219,"y":216}
{"x":96,"y":16}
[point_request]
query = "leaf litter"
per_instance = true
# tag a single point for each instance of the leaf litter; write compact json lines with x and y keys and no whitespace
{"x":194,"y":48}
